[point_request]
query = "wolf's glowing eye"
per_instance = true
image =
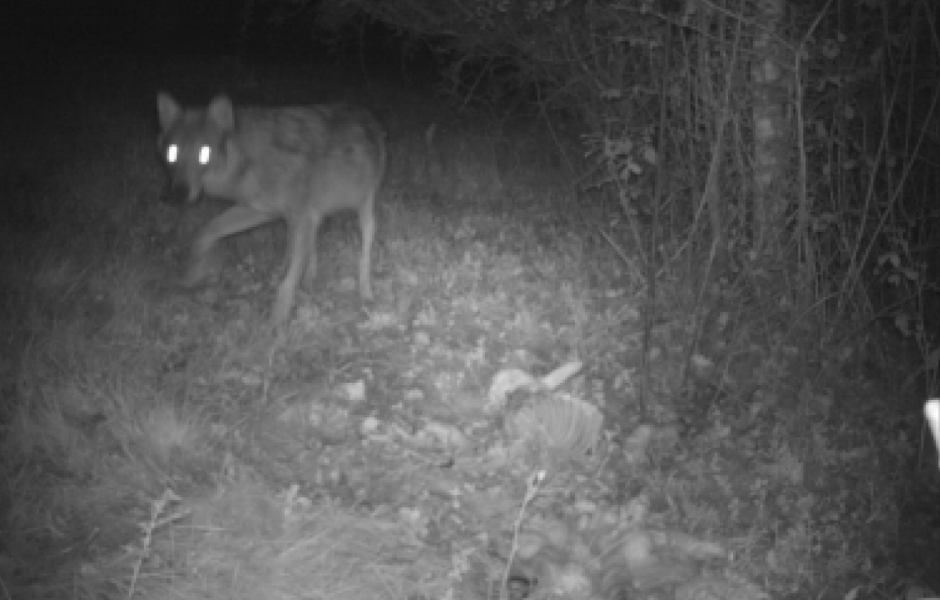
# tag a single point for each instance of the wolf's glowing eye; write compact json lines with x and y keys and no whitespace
{"x":172,"y":153}
{"x":205,"y":153}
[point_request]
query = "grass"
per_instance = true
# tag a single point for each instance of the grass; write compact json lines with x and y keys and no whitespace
{"x":169,"y":445}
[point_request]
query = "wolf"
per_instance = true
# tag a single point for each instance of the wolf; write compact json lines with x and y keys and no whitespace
{"x":299,"y":164}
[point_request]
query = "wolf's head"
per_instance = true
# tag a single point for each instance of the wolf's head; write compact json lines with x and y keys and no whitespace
{"x":191,"y":142}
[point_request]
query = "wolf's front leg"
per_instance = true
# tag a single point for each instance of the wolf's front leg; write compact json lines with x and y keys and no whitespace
{"x":206,"y":257}
{"x":298,"y":244}
{"x":367,"y":229}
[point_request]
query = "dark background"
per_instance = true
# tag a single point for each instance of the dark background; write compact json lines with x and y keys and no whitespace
{"x":41,"y":29}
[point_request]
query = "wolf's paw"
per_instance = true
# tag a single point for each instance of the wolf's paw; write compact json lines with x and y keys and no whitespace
{"x":201,"y":269}
{"x":191,"y":278}
{"x":160,"y":287}
{"x":280,"y":314}
{"x":366,"y":297}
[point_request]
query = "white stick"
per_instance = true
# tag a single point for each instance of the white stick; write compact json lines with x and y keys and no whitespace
{"x":932,"y":411}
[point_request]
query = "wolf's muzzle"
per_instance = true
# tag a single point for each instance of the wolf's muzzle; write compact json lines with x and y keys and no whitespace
{"x":177,"y":193}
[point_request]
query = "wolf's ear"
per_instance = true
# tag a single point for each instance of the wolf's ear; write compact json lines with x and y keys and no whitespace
{"x":168,"y":109}
{"x":221,"y":113}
